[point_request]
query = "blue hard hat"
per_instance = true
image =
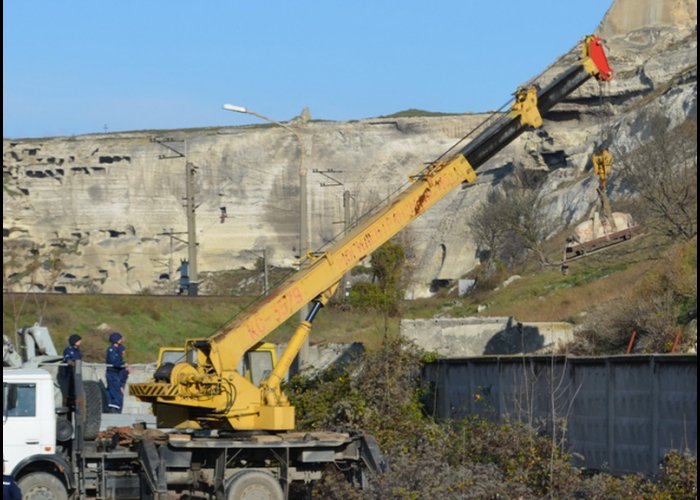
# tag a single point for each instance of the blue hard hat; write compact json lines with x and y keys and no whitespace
{"x":115,"y":337}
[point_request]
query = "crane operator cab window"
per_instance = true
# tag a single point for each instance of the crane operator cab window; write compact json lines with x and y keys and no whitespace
{"x":257,"y":365}
{"x":168,"y":357}
{"x":172,"y":355}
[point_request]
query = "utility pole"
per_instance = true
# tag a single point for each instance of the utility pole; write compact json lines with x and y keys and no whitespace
{"x":265,"y":276}
{"x":190,"y":207}
{"x":346,"y":216}
{"x":190,"y":170}
{"x":346,"y":225}
{"x":170,"y":258}
{"x":173,"y":236}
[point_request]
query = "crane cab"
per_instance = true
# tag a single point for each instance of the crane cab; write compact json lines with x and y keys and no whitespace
{"x":257,"y":363}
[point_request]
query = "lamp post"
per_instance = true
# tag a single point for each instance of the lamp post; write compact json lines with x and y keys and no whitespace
{"x":304,"y":245}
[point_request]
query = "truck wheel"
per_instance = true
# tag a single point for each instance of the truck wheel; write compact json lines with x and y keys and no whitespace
{"x":93,"y":409}
{"x":254,"y":485}
{"x":42,"y":485}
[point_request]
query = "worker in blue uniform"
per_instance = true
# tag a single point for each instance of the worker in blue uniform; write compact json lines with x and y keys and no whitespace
{"x":116,"y":374}
{"x":66,"y":381}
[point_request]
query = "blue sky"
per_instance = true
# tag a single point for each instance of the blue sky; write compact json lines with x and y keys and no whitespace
{"x":79,"y":66}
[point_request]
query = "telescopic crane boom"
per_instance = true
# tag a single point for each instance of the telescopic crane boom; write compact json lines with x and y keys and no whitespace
{"x":206,"y":390}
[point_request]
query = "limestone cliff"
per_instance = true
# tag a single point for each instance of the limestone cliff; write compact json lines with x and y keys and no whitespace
{"x":111,"y":207}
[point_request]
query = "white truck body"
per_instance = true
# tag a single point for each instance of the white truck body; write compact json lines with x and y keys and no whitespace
{"x":55,"y":462}
{"x":29,"y":414}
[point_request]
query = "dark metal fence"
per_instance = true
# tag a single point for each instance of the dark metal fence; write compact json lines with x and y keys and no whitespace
{"x":620,"y":414}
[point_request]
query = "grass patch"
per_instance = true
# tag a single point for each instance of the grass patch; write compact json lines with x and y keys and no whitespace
{"x":547,"y":295}
{"x":149,"y":322}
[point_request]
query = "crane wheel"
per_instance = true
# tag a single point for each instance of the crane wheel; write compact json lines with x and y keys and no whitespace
{"x":254,"y":485}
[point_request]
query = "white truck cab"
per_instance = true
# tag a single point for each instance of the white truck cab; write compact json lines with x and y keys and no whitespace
{"x":28,"y":415}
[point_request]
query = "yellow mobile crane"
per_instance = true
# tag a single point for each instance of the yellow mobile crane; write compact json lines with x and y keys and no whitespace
{"x":210,"y":394}
{"x":206,"y":390}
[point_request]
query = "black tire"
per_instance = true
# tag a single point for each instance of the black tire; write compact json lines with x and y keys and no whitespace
{"x":105,"y":397}
{"x":42,"y":485}
{"x":93,"y":409}
{"x":254,"y":485}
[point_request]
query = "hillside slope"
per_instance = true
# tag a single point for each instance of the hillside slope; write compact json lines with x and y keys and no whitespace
{"x":599,"y":282}
{"x":110,"y":209}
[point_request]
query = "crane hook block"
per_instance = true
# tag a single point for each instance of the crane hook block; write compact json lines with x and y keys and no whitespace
{"x":602,"y":165}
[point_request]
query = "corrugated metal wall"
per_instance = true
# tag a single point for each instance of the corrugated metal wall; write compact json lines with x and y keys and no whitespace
{"x":621,"y":414}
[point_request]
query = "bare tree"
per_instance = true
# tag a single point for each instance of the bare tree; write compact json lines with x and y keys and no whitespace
{"x":12,"y":273}
{"x":30,"y":270}
{"x":513,"y":221}
{"x":662,"y":175}
{"x":490,"y":234}
{"x":526,"y":218}
{"x":406,"y":239}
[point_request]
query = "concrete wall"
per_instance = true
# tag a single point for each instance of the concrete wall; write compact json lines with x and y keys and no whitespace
{"x":474,"y":336}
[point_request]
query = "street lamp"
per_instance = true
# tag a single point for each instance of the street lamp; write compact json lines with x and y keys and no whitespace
{"x":304,"y":245}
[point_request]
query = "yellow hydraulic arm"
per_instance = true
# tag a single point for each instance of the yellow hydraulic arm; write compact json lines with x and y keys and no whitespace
{"x":207,"y":391}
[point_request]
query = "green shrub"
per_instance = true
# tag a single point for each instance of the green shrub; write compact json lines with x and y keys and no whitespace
{"x":366,"y":295}
{"x":473,"y":458}
{"x":661,"y":304}
{"x":679,"y":477}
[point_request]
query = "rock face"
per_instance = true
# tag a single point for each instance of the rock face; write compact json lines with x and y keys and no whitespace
{"x":626,"y":16}
{"x":110,"y":206}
